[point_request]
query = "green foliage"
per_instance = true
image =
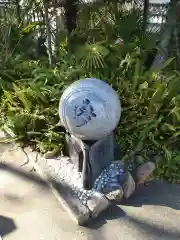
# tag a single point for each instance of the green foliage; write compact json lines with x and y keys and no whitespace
{"x":150,"y":121}
{"x":29,"y":109}
{"x":30,"y":89}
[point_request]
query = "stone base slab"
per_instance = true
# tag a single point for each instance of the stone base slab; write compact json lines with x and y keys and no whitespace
{"x":67,"y":193}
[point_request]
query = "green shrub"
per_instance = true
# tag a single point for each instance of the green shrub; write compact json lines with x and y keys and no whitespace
{"x":30,"y":90}
{"x":150,"y":119}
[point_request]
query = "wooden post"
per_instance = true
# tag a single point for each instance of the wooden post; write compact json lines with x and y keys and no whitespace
{"x":145,"y":14}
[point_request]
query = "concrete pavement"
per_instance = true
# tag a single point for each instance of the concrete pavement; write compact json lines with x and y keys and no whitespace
{"x":29,"y":210}
{"x":152,"y":213}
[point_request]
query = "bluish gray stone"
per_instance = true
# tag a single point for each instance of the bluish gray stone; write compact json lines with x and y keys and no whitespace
{"x":100,"y":155}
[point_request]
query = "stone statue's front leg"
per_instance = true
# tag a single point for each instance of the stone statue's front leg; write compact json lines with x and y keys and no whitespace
{"x":120,"y":183}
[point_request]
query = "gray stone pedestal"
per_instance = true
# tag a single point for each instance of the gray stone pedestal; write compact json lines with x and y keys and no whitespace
{"x":91,"y":157}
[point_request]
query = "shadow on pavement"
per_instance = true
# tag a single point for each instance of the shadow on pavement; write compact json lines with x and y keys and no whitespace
{"x":153,"y":230}
{"x":12,"y":198}
{"x":147,"y":229}
{"x":113,"y":212}
{"x":156,"y":193}
{"x":23,"y":174}
{"x":7,"y":225}
{"x":142,"y":229}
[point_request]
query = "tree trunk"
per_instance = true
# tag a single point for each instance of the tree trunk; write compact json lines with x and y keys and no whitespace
{"x":18,"y":11}
{"x":145,"y":14}
{"x":178,"y":38}
{"x":56,"y":33}
{"x":166,"y":36}
{"x":70,"y":7}
{"x":48,"y":31}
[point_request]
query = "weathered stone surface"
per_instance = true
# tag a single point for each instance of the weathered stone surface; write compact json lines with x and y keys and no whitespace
{"x":115,"y":195}
{"x":97,"y":203}
{"x":113,"y":191}
{"x":99,"y":154}
{"x":52,"y":154}
{"x":144,"y":171}
{"x":78,"y":212}
{"x":5,"y":146}
{"x":14,"y":155}
{"x":129,"y":186}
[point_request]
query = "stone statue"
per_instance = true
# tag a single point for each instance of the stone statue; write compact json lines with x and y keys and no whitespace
{"x":90,"y":111}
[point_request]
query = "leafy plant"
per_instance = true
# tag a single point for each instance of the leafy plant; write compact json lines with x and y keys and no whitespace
{"x":30,"y":89}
